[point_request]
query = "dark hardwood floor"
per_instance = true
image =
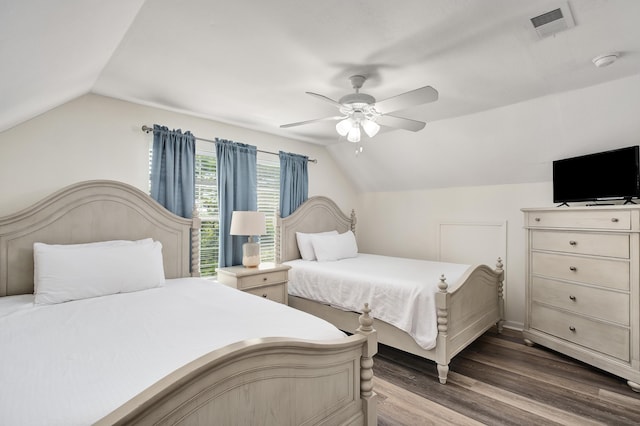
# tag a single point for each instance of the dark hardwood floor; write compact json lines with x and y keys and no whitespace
{"x":498,"y":380}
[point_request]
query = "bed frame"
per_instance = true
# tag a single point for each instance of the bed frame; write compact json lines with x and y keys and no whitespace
{"x":279,"y":381}
{"x":463,"y":315}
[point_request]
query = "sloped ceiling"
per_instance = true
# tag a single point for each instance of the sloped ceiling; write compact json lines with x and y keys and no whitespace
{"x":249,"y":63}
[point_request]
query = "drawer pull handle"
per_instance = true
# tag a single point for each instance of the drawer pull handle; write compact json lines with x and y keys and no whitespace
{"x":572,"y":298}
{"x":614,"y":219}
{"x":573,"y":243}
{"x":572,"y":328}
{"x":573,"y":268}
{"x":264,"y":295}
{"x":537,"y":219}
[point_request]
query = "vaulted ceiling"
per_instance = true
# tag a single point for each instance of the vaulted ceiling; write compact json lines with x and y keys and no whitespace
{"x":249,"y":63}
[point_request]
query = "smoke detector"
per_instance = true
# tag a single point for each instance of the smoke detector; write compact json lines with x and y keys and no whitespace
{"x":605,"y":60}
{"x":553,"y":21}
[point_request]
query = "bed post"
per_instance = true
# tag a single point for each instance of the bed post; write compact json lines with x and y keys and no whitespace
{"x":500,"y":286}
{"x":442,"y":357}
{"x":353,"y":221}
{"x":196,"y":223}
{"x":367,"y":396}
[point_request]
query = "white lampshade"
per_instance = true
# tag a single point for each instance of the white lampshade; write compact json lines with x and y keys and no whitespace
{"x":354,"y":134}
{"x":248,"y":223}
{"x":344,"y":126}
{"x":370,"y":127}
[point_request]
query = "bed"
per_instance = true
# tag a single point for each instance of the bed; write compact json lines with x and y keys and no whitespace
{"x":231,"y":358}
{"x":446,"y":315}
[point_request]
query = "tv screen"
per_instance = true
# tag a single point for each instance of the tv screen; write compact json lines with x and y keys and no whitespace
{"x":602,"y":176}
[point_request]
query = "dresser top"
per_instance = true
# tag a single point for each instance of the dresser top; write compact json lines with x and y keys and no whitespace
{"x":583,"y":208}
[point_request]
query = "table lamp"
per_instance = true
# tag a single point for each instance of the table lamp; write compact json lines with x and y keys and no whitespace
{"x":249,"y":223}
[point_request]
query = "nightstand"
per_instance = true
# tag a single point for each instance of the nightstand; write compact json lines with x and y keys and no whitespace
{"x":268,"y":280}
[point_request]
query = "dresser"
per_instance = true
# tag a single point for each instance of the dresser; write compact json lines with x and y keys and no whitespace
{"x":583,"y":285}
{"x":268,"y":280}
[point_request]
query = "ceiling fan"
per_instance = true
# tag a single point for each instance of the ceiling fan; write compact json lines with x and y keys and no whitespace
{"x":360,"y":110}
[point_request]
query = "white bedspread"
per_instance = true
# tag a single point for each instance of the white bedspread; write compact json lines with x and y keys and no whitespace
{"x":399,"y":291}
{"x":73,"y":363}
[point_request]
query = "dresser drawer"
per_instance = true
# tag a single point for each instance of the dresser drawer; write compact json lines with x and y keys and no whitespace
{"x":611,"y":245}
{"x":603,"y":272}
{"x":594,"y":302}
{"x":262,"y":279}
{"x":605,"y":338}
{"x":594,"y":219}
{"x":277,"y":292}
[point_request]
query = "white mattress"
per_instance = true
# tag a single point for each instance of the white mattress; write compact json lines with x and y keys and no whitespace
{"x":399,"y":291}
{"x":73,"y":363}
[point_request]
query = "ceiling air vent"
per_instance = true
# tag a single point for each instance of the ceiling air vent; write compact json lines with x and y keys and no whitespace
{"x":553,"y":21}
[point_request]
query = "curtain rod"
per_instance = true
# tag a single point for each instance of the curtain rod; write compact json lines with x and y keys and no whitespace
{"x":148,"y":129}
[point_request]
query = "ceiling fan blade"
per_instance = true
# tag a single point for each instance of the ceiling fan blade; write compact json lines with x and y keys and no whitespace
{"x":324,"y":98}
{"x":400,"y":123}
{"x":300,"y":123}
{"x":405,"y":100}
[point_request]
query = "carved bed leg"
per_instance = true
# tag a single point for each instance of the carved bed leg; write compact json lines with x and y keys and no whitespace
{"x":500,"y":284}
{"x":528,"y":342}
{"x":367,"y":395}
{"x":443,"y":371}
{"x":634,"y":386}
{"x":443,"y":327}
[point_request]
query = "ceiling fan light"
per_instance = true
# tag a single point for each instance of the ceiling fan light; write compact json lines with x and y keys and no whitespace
{"x":354,"y":134}
{"x":344,"y":126}
{"x":370,"y":127}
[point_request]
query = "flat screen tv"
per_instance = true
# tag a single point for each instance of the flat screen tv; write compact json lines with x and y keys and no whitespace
{"x":605,"y":175}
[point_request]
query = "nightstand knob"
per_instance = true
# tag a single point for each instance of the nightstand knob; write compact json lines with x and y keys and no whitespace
{"x":264,"y":295}
{"x":264,"y":278}
{"x":572,"y":298}
{"x":573,"y":243}
{"x":573,"y":268}
{"x":572,"y":328}
{"x":537,"y":219}
{"x":614,"y":219}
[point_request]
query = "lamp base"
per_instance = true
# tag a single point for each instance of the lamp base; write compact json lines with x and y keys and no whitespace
{"x":251,"y":255}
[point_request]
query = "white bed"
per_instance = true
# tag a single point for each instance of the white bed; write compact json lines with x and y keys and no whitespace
{"x":430,"y":309}
{"x":188,"y":351}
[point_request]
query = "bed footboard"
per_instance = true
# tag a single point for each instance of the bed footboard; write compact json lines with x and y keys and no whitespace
{"x":279,"y":381}
{"x":466,"y":313}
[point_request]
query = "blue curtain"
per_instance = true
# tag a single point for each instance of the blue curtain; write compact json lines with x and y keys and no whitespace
{"x":237,"y":190}
{"x":294,"y":182}
{"x":173,"y":170}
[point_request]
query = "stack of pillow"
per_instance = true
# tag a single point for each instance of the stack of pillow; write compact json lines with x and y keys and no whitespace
{"x":78,"y":271}
{"x":327,"y":246}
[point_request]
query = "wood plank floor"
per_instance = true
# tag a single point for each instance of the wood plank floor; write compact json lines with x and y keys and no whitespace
{"x":498,"y":380}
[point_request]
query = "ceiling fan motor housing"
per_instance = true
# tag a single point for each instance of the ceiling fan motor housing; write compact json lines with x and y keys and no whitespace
{"x":357,"y":98}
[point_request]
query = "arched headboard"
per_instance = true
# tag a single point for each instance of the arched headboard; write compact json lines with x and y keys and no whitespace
{"x":97,"y":210}
{"x":317,"y":214}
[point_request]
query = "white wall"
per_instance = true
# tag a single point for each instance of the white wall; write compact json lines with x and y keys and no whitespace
{"x":95,"y":137}
{"x":406,"y":224}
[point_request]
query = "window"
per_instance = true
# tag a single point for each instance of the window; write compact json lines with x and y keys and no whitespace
{"x":268,"y":169}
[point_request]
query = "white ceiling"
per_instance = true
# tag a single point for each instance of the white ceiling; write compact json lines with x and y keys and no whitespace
{"x":249,"y":62}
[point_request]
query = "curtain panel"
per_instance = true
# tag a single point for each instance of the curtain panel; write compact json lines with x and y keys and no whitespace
{"x":237,"y":190}
{"x":173,"y":170}
{"x":294,"y":182}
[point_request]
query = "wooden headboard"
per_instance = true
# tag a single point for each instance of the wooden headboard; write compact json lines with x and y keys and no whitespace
{"x":94,"y":211}
{"x":317,"y":214}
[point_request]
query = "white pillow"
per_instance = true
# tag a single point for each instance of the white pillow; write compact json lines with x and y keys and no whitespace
{"x":78,"y":271}
{"x":304,"y":244}
{"x":335,"y":247}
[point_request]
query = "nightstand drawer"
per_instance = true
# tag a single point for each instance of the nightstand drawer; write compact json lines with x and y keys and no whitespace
{"x":277,"y":292}
{"x":590,"y":301}
{"x":262,"y":279}
{"x":610,"y":245}
{"x":605,"y":338}
{"x":594,"y":219}
{"x":603,"y":272}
